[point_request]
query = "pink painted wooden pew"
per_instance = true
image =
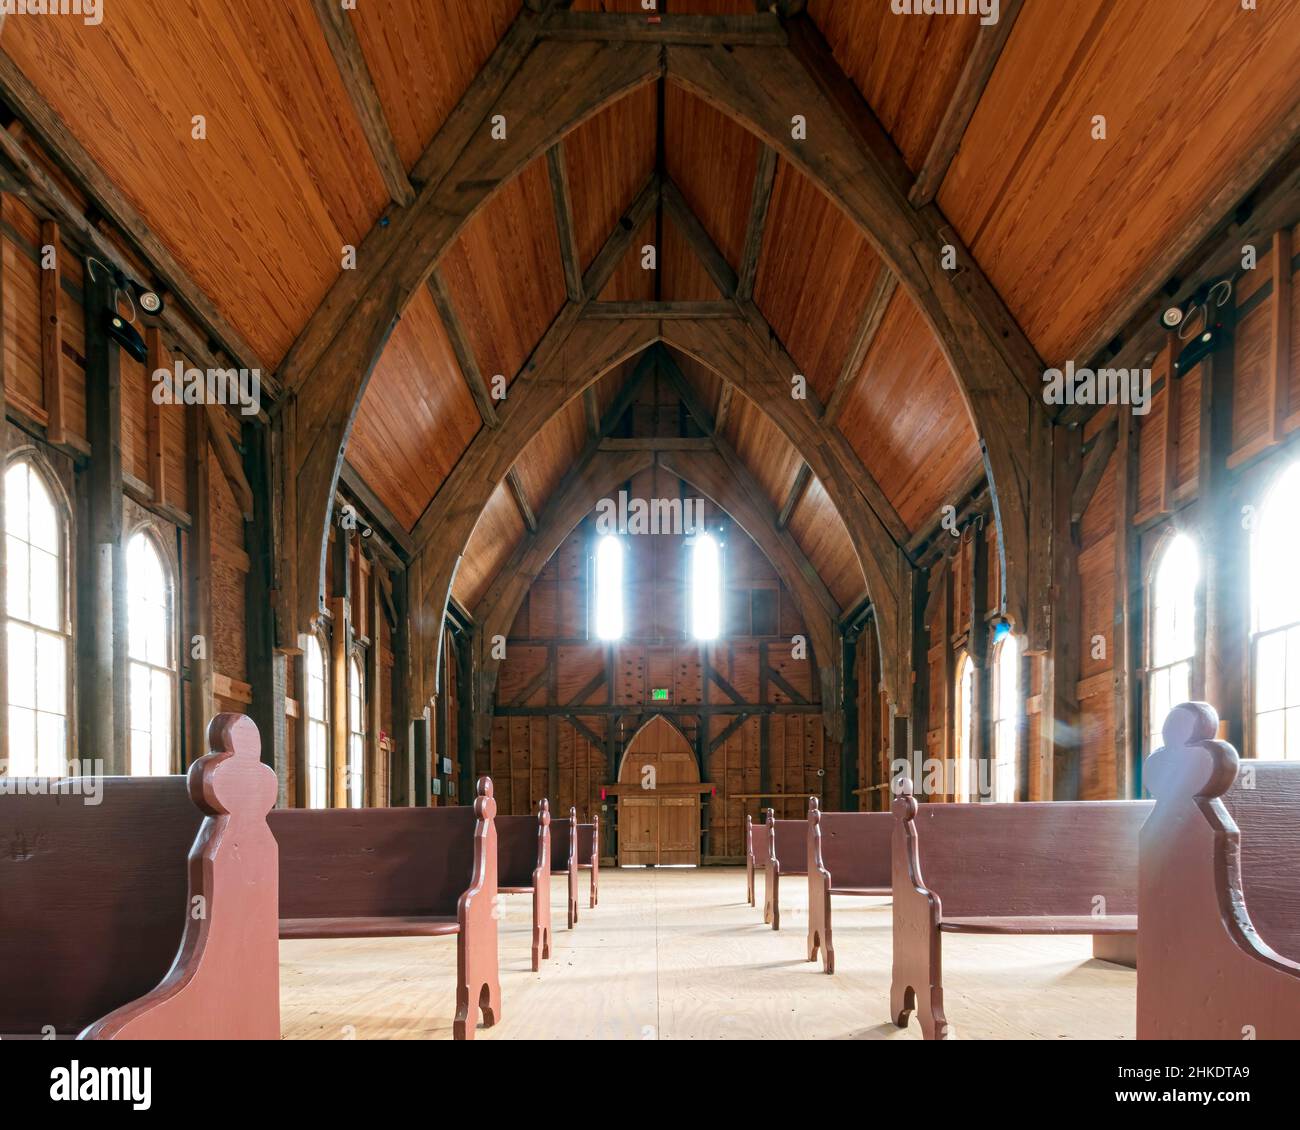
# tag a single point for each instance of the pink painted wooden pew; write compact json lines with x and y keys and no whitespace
{"x":564,"y":860}
{"x":589,"y":859}
{"x":524,"y":868}
{"x":1051,"y":867}
{"x":149,"y":915}
{"x":399,"y":873}
{"x":850,"y":854}
{"x":1219,"y":890}
{"x":787,"y":854}
{"x":756,"y":849}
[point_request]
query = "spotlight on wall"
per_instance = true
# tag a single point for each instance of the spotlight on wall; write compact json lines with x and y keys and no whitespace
{"x":1173,"y":317}
{"x":126,"y":335}
{"x":151,"y":302}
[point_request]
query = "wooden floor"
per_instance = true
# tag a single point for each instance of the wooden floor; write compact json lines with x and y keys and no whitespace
{"x":678,"y":955}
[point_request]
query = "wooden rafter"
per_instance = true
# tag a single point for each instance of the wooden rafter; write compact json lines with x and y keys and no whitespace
{"x":336,"y":25}
{"x":562,"y":201}
{"x":759,"y":29}
{"x":759,"y":205}
{"x":796,"y":492}
{"x":873,"y":315}
{"x":697,"y":235}
{"x":461,"y":347}
{"x":521,"y":500}
{"x":975,"y":75}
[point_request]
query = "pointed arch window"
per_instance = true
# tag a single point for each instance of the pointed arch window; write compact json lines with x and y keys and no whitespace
{"x":963,"y":728}
{"x":317,"y":725}
{"x":1006,"y":722}
{"x":151,"y":657}
{"x":37,"y":628}
{"x":1275,"y":640}
{"x":1171,"y":640}
{"x":356,"y":734}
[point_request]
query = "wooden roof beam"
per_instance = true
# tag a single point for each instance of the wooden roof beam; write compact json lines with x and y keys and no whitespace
{"x":873,"y":315}
{"x":975,"y":75}
{"x":697,"y":235}
{"x":521,"y":499}
{"x":562,"y":201}
{"x":461,"y":347}
{"x":796,"y":492}
{"x":336,"y":26}
{"x":615,"y":27}
{"x":759,"y":205}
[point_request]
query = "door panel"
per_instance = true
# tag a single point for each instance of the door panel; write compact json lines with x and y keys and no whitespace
{"x":638,"y":830}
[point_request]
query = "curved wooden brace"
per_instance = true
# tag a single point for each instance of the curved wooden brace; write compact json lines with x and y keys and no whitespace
{"x":544,"y":88}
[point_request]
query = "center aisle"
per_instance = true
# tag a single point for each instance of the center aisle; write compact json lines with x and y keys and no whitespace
{"x":678,"y":954}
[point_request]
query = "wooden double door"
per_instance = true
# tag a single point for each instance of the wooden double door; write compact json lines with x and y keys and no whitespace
{"x":659,"y":824}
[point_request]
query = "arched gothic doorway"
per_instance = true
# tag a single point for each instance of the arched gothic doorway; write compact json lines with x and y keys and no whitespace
{"x":659,"y":819}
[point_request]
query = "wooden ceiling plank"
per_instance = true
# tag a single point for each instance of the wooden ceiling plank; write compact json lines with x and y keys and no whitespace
{"x":759,"y":205}
{"x":95,"y":185}
{"x":562,"y":199}
{"x":872,"y":317}
{"x":336,"y":26}
{"x":708,"y":252}
{"x":975,"y":75}
{"x":460,"y":345}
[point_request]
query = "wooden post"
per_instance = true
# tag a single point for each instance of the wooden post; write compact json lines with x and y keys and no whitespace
{"x":376,"y":793}
{"x":419,"y":741}
{"x":401,"y":781}
{"x":340,"y":644}
{"x":101,"y":588}
{"x":465,"y":726}
{"x":850,"y":747}
{"x":198,"y":581}
{"x":52,"y":370}
{"x":1128,"y":741}
{"x":1058,"y":744}
{"x":266,"y":667}
{"x":1225,"y":547}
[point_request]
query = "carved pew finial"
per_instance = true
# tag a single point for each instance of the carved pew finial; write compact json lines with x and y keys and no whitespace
{"x":904,"y":805}
{"x":1192,"y":762}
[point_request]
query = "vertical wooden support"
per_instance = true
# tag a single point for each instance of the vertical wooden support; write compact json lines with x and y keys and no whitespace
{"x":266,"y":667}
{"x":101,"y":587}
{"x":4,"y":575}
{"x":977,"y":645}
{"x":155,"y":435}
{"x":1169,"y":441}
{"x":198,"y":580}
{"x":1279,"y":353}
{"x":1056,"y":749}
{"x":52,"y":335}
{"x":1127,"y":582}
{"x":1224,"y":545}
{"x":420,"y":757}
{"x":340,"y":607}
{"x":376,"y":688}
{"x":401,"y":780}
{"x":765,"y":729}
{"x":850,"y":748}
{"x":465,"y":654}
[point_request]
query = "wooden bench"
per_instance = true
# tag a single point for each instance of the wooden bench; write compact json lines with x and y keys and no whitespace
{"x":150,"y":914}
{"x":589,"y":858}
{"x":1218,"y":891}
{"x":399,"y":873}
{"x":564,"y":860}
{"x":1051,"y":867}
{"x":787,"y":854}
{"x":524,"y":867}
{"x":756,"y":849}
{"x":849,"y":854}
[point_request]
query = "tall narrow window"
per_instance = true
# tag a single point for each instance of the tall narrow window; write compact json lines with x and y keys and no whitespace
{"x":609,"y":588}
{"x":706,"y":587}
{"x":317,"y":726}
{"x":1172,"y":633}
{"x":150,"y":653}
{"x":1276,"y":636}
{"x":1006,"y":725}
{"x":963,"y":728}
{"x":36,"y":606}
{"x":356,"y":735}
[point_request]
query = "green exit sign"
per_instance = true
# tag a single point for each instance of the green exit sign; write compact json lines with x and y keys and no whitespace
{"x":659,"y":694}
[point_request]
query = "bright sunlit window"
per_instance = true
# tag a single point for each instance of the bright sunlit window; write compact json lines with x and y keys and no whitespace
{"x":356,"y":735}
{"x":150,"y":663}
{"x":609,"y":588}
{"x":1276,"y":637}
{"x":1006,"y":703}
{"x":1172,"y":639}
{"x":317,"y":726}
{"x":35,"y":603}
{"x":706,"y":588}
{"x":963,"y":728}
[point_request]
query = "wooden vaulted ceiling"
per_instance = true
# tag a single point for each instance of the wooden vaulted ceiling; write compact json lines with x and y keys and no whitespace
{"x":260,"y":211}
